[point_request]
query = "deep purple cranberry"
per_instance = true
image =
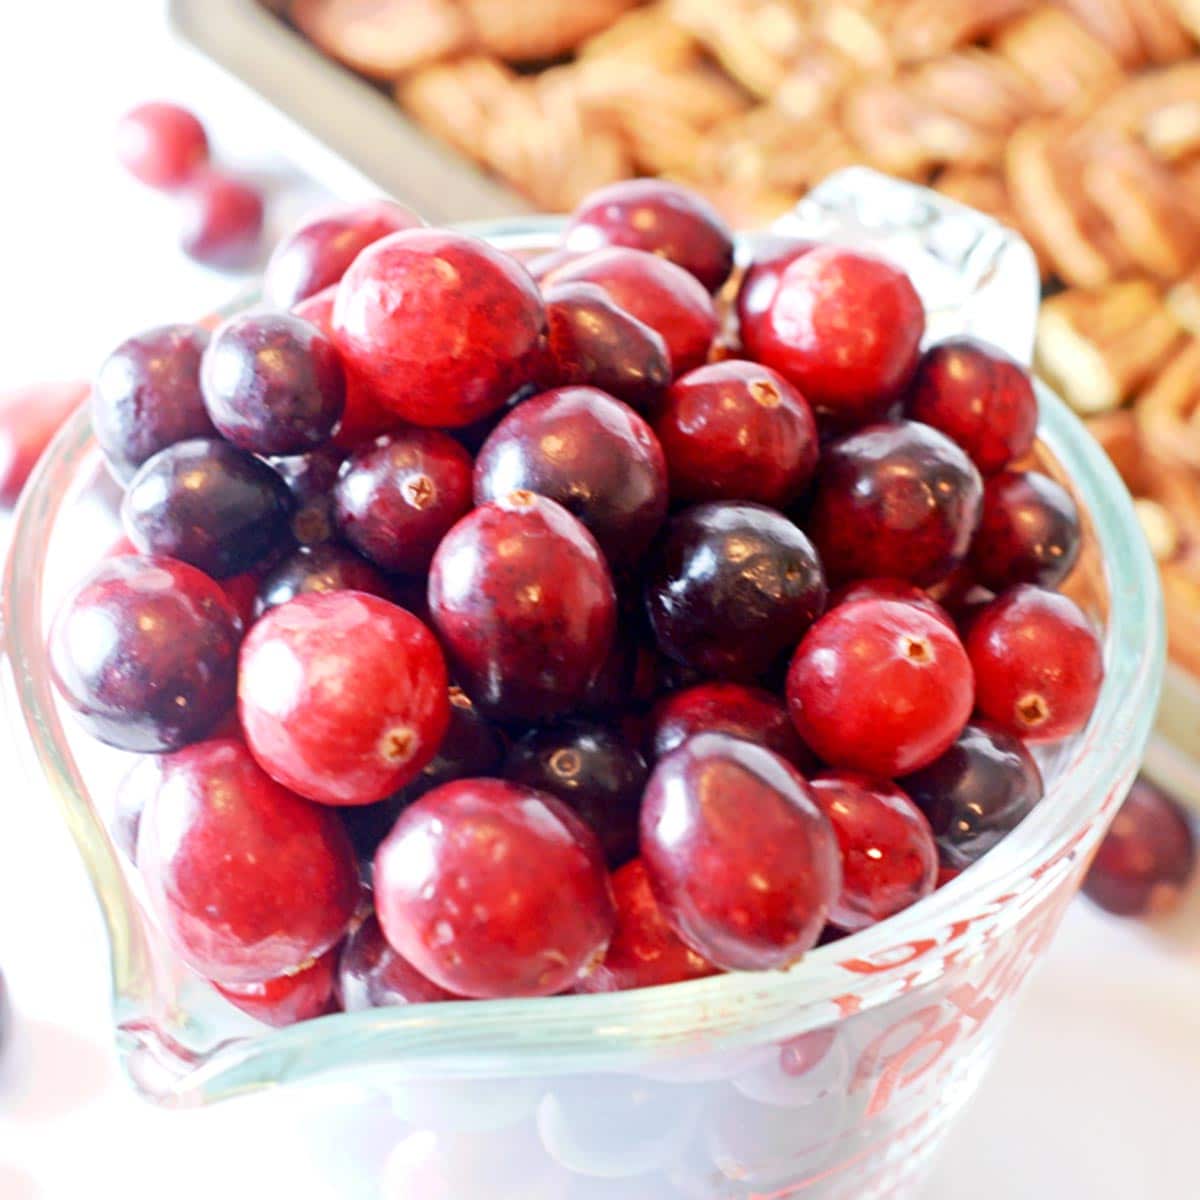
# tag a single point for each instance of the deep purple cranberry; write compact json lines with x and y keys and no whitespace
{"x":372,"y":975}
{"x":328,"y":567}
{"x":772,"y":256}
{"x":472,"y":746}
{"x":311,"y":478}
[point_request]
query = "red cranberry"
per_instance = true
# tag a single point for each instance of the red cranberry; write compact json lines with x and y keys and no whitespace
{"x":299,"y":996}
{"x":147,"y":396}
{"x":644,"y":951}
{"x":900,"y":500}
{"x":209,"y":504}
{"x":220,"y":221}
{"x":657,"y":293}
{"x":398,"y":497}
{"x":442,"y":327}
{"x":249,"y":881}
{"x":318,"y":569}
{"x":889,"y":589}
{"x":975,"y":793}
{"x":1147,"y":857}
{"x":659,"y":217}
{"x":316,"y":254}
{"x":372,"y":975}
{"x":740,"y":858}
{"x":342,"y":696}
{"x":492,"y":889}
{"x":594,"y":771}
{"x":161,"y":144}
{"x":889,"y":860}
{"x":471,"y":746}
{"x":144,"y":651}
{"x":732,"y":587}
{"x":880,"y":686}
{"x":845,"y":328}
{"x":592,"y":454}
{"x":737,"y":431}
{"x":629,"y":675}
{"x":523,"y":601}
{"x":1038,"y":664}
{"x":29,"y":419}
{"x":1029,"y":532}
{"x":242,"y":592}
{"x":980,"y":398}
{"x":772,"y":256}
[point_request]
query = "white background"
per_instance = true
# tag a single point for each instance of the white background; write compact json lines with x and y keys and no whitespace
{"x":1095,"y":1094}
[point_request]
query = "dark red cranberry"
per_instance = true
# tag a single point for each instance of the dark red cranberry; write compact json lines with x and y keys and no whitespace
{"x":772,"y":256}
{"x":372,"y":975}
{"x":657,"y":293}
{"x":472,"y":746}
{"x":298,"y":996}
{"x":147,"y":396}
{"x":311,"y":478}
{"x":1038,"y":664}
{"x":1029,"y":532}
{"x":161,"y":144}
{"x":737,"y":431}
{"x":740,"y":858}
{"x":629,"y":676}
{"x":889,"y":589}
{"x":342,"y":696}
{"x":144,"y":651}
{"x":273,"y":384}
{"x":492,"y":889}
{"x":975,"y":793}
{"x":845,"y":328}
{"x":220,"y":221}
{"x":524,"y":604}
{"x":880,"y":686}
{"x":1147,"y":857}
{"x":242,"y":592}
{"x":367,"y":825}
{"x":644,"y":951}
{"x":209,"y":504}
{"x":441,"y":326}
{"x":593,"y":342}
{"x":947,"y":875}
{"x":316,"y":254}
{"x":133,"y":791}
{"x":900,"y":500}
{"x":732,"y":587}
{"x":29,"y":418}
{"x":889,"y":859}
{"x":592,"y":454}
{"x":659,"y":217}
{"x":591,"y":768}
{"x":398,"y":497}
{"x":980,"y":398}
{"x":249,"y":881}
{"x":315,"y":569}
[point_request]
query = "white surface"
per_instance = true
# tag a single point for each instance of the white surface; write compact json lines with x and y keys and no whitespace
{"x":1094,"y":1098}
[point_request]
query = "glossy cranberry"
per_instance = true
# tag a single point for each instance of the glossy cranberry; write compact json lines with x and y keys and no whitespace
{"x":249,"y":881}
{"x":242,"y":592}
{"x":975,"y":793}
{"x":144,"y":651}
{"x":316,"y":254}
{"x":1038,"y":664}
{"x":299,"y":996}
{"x":147,"y":396}
{"x":524,"y":604}
{"x":1029,"y":532}
{"x":342,"y":696}
{"x":880,"y":686}
{"x":1147,"y":857}
{"x":980,"y":398}
{"x":29,"y":419}
{"x":442,"y":327}
{"x":592,"y":454}
{"x":661,"y":218}
{"x":737,"y":431}
{"x":772,"y":256}
{"x":845,"y":328}
{"x":311,"y":478}
{"x":900,"y":500}
{"x":593,"y":342}
{"x":209,"y":504}
{"x":372,"y":975}
{"x":889,"y":589}
{"x":220,"y":221}
{"x":740,"y":858}
{"x":732,"y":587}
{"x":629,"y":676}
{"x":161,"y":144}
{"x":472,"y":746}
{"x":657,"y":293}
{"x":132,"y":793}
{"x":492,"y":889}
{"x":889,"y":859}
{"x":398,"y":497}
{"x":318,"y":569}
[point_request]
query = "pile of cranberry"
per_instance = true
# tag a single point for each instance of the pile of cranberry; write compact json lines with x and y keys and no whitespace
{"x":585,"y":632}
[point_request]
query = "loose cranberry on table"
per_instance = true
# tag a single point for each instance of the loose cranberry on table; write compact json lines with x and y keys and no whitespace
{"x":772,"y":256}
{"x":880,"y":686}
{"x":735,"y":430}
{"x":161,"y":144}
{"x":492,"y":889}
{"x":282,"y":1001}
{"x":898,"y":500}
{"x":889,"y":589}
{"x":144,"y":651}
{"x":1038,"y":664}
{"x":249,"y":881}
{"x":220,"y":221}
{"x":523,"y":601}
{"x":29,"y":418}
{"x":371,"y":974}
{"x":342,"y":696}
{"x":742,"y":861}
{"x":329,"y":567}
{"x":592,"y":454}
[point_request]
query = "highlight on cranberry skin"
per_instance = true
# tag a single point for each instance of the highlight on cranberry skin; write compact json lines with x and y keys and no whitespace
{"x":161,"y":144}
